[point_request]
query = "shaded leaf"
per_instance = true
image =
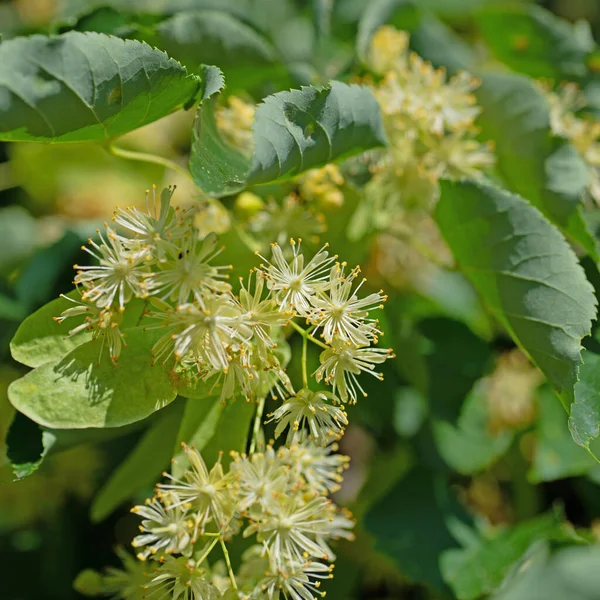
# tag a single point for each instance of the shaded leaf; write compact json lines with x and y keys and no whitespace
{"x":17,"y":236}
{"x":556,"y":455}
{"x":143,"y":466}
{"x":26,"y":445}
{"x":85,"y":87}
{"x":547,"y":171}
{"x":401,"y":13}
{"x":584,"y":421}
{"x":232,"y":432}
{"x":293,"y":131}
{"x":220,"y":38}
{"x":468,"y":446}
{"x":75,"y":391}
{"x":479,"y":569}
{"x":571,"y":573}
{"x":532,"y":40}
{"x":526,"y":273}
{"x":413,"y":524}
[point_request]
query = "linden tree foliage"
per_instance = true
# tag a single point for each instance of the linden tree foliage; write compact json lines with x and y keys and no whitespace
{"x":293,"y":131}
{"x":86,"y":87}
{"x":300,"y":285}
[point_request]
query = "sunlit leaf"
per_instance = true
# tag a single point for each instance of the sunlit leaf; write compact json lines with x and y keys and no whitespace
{"x":86,"y":87}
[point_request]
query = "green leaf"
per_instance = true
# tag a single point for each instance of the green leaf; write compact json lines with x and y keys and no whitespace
{"x":198,"y":426}
{"x":468,"y":447}
{"x":401,"y":13}
{"x":571,"y":573}
{"x":437,"y":43}
{"x":547,"y":171}
{"x":479,"y":569}
{"x":413,"y":524}
{"x":75,"y":391}
{"x":219,"y":38}
{"x":26,"y":445}
{"x":231,"y":433}
{"x":293,"y":131}
{"x":556,"y":455}
{"x":142,"y":467}
{"x":584,"y":421}
{"x":526,"y":273}
{"x":86,"y":87}
{"x":40,"y":339}
{"x":532,"y":40}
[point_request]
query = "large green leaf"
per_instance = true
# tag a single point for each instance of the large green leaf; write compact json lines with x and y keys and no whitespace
{"x":293,"y":131}
{"x":547,"y":171}
{"x":532,"y":40}
{"x":479,"y":569}
{"x":526,"y":273}
{"x":40,"y":339}
{"x":86,"y":87}
{"x":76,"y":391}
{"x":219,"y":38}
{"x":143,"y":466}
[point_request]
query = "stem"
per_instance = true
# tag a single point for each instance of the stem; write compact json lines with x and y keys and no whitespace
{"x":208,"y":550}
{"x":150,"y":158}
{"x":307,"y":335}
{"x":142,"y":313}
{"x":228,"y":562}
{"x":257,"y":419}
{"x":304,"y":373}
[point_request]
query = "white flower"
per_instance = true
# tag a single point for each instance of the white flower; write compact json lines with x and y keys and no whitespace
{"x":343,"y":362}
{"x":164,"y":527}
{"x":290,"y":527}
{"x":120,"y":275}
{"x":206,"y":493}
{"x":204,"y":331}
{"x":158,"y":228}
{"x":340,"y":312}
{"x":298,"y":580}
{"x":319,"y":466}
{"x":186,"y":274}
{"x":181,"y":579}
{"x":102,"y":323}
{"x":324,"y":421}
{"x":259,"y":478}
{"x":293,"y":282}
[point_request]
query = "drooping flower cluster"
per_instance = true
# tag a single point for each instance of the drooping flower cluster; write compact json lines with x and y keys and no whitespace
{"x":582,"y":131}
{"x":429,"y":119}
{"x":281,"y":495}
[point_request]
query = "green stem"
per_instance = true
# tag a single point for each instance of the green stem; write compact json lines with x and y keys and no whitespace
{"x":257,"y":420}
{"x":208,"y":550}
{"x":307,"y":335}
{"x":149,"y":158}
{"x":228,"y":562}
{"x":304,"y":369}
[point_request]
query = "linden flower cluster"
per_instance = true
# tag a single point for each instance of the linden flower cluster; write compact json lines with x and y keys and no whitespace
{"x":280,"y":496}
{"x":582,"y":132}
{"x":429,"y":120}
